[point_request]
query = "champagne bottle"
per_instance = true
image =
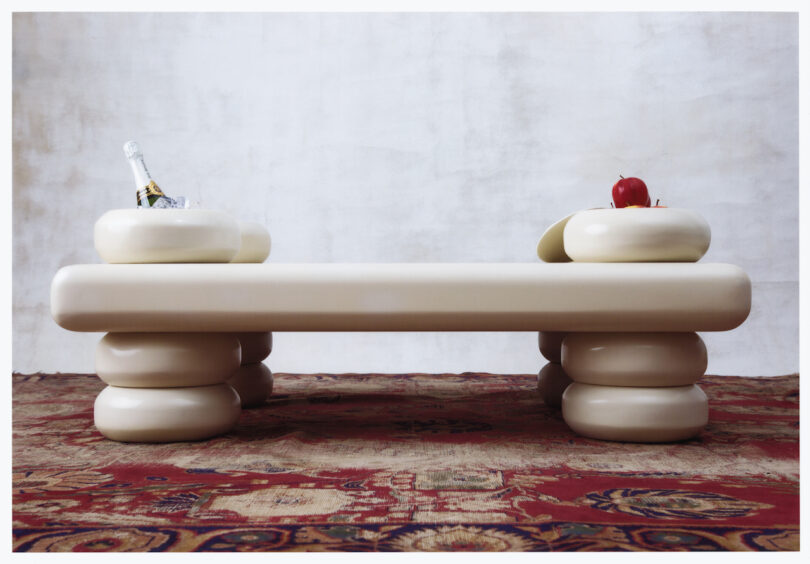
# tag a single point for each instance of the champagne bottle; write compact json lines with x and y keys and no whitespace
{"x":149,"y":193}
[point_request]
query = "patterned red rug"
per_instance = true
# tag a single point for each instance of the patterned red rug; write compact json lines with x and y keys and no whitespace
{"x":414,"y":462}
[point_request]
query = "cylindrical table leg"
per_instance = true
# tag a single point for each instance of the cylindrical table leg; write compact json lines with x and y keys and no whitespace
{"x":166,"y":387}
{"x":637,"y":387}
{"x":253,"y":381}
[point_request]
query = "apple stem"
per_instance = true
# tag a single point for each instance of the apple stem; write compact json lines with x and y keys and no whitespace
{"x":611,"y":204}
{"x":622,"y":177}
{"x":657,"y":201}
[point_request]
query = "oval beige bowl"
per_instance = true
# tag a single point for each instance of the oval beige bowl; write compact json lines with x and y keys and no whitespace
{"x":255,"y":246}
{"x":636,"y":235}
{"x":550,"y":248}
{"x":166,"y":236}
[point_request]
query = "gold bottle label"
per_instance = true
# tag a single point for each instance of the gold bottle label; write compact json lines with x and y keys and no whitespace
{"x":150,"y":189}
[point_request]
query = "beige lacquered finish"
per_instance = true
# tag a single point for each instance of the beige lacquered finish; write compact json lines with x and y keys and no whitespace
{"x":253,"y":382}
{"x":550,"y":343}
{"x":166,"y":236}
{"x":647,"y":415}
{"x":636,"y":235}
{"x":255,"y":245}
{"x":166,"y":414}
{"x":255,"y":346}
{"x":550,"y":248}
{"x":634,"y":359}
{"x":401,"y":297}
{"x":165,"y":360}
{"x":551,"y":383}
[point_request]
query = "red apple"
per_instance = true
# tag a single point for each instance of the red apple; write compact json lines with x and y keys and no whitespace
{"x":631,"y":192}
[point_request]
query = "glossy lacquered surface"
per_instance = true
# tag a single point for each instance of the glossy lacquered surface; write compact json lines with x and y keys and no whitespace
{"x":255,"y":247}
{"x":648,"y":415}
{"x":165,"y":360}
{"x":551,"y":383}
{"x":166,"y":414}
{"x":400,"y":297}
{"x":166,"y":236}
{"x":551,"y":247}
{"x":550,"y":343}
{"x":255,"y":346}
{"x":636,"y":235}
{"x":253,"y":382}
{"x":634,"y":359}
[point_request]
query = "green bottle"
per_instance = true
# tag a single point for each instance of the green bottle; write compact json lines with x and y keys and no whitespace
{"x":149,"y":194}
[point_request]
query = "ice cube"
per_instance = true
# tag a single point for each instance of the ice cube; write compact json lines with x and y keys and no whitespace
{"x":164,"y":202}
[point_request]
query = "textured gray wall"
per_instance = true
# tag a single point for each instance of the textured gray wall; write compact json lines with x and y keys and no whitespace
{"x":419,"y":137}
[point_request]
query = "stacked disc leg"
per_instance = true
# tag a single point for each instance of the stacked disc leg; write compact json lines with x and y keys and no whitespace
{"x":166,"y":386}
{"x":636,"y":387}
{"x":631,"y":386}
{"x":552,"y":380}
{"x":253,"y":381}
{"x":178,"y":386}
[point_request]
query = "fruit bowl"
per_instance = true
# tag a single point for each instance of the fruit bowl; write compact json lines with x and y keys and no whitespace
{"x":638,"y":234}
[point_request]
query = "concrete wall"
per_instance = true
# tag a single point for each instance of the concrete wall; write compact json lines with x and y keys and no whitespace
{"x":418,"y":137}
